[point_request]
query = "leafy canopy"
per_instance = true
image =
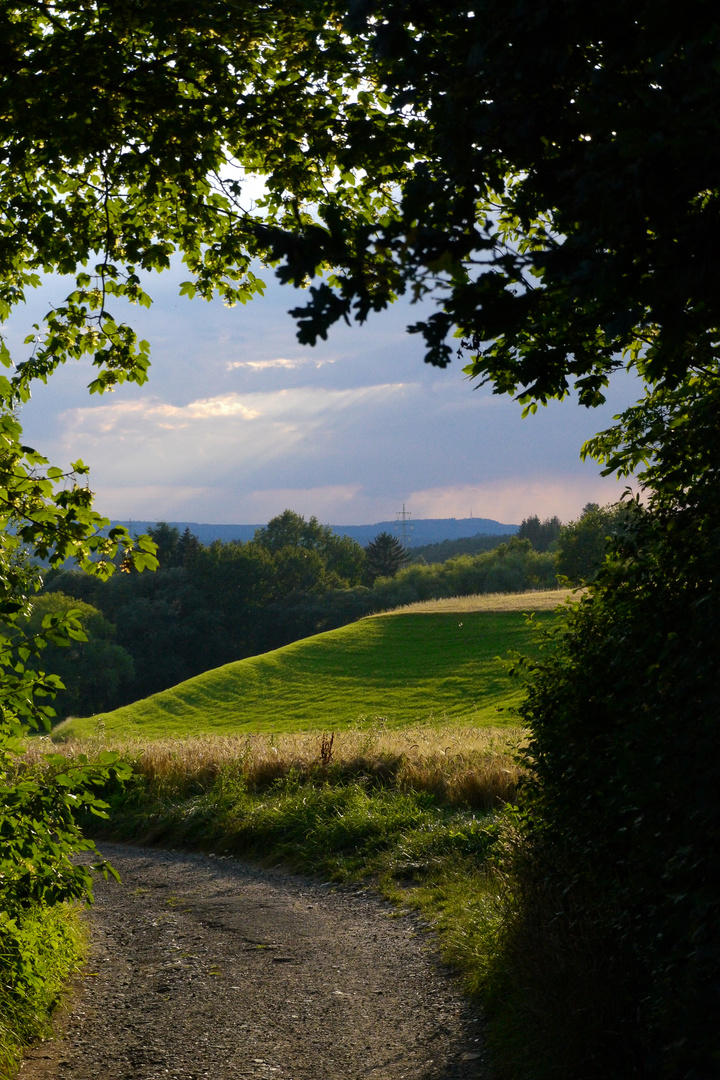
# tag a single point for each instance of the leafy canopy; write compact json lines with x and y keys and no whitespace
{"x":537,"y":175}
{"x":562,"y":203}
{"x":127,"y":131}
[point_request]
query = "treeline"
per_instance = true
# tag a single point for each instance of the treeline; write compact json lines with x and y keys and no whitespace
{"x":543,"y":535}
{"x":510,"y":567}
{"x":443,"y":550}
{"x":206,"y":606}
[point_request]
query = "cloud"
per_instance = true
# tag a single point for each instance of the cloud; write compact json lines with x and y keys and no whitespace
{"x":347,"y":455}
{"x":194,"y":445}
{"x":291,"y":406}
{"x":225,"y":405}
{"x":329,"y":502}
{"x":234,"y":444}
{"x":509,"y":501}
{"x":262,"y":365}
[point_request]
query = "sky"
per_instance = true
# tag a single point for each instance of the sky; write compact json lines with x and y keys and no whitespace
{"x":238,"y":422}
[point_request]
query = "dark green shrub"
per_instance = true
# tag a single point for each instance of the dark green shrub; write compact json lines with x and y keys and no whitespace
{"x":617,"y":871}
{"x":583,"y":544}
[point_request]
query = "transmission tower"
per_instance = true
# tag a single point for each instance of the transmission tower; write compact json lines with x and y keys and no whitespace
{"x":402,"y":527}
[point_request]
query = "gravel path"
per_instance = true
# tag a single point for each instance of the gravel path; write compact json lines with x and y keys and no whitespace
{"x":205,"y":967}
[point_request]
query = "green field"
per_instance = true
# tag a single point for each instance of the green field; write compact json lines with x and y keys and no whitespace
{"x":401,"y":669}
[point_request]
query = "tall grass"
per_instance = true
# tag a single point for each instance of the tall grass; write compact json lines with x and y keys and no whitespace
{"x":460,"y":766}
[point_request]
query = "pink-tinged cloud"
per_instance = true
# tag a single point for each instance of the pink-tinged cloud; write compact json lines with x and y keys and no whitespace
{"x":512,"y":500}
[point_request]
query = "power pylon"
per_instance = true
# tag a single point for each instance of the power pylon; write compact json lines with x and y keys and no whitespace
{"x":402,"y":527}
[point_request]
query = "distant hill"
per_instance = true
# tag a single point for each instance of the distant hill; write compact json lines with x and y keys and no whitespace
{"x":205,"y":533}
{"x":419,"y":532}
{"x":427,"y":530}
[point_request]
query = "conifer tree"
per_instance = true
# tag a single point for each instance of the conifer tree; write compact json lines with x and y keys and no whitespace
{"x":385,"y":556}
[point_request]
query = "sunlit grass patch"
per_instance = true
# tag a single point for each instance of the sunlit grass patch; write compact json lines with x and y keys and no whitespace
{"x":460,"y":765}
{"x":410,"y":669}
{"x":540,"y":600}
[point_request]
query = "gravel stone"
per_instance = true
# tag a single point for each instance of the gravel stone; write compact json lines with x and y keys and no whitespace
{"x":209,"y":967}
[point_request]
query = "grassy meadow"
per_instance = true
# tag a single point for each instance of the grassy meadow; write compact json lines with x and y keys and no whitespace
{"x":429,"y":663}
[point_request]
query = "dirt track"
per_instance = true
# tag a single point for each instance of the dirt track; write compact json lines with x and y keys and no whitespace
{"x":212,"y":968}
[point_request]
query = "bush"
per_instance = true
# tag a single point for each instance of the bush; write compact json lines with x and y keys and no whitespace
{"x":48,"y":946}
{"x":511,"y":567}
{"x":94,"y":672}
{"x":617,"y":869}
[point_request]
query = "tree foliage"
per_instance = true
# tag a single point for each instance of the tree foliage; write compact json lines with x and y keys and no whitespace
{"x":510,"y":567}
{"x":537,"y":175}
{"x":541,"y":534}
{"x":128,"y":130}
{"x":338,"y":561}
{"x":443,"y":550}
{"x":95,"y":673}
{"x":44,"y":513}
{"x":560,"y":205}
{"x":583,"y":544}
{"x":385,"y":555}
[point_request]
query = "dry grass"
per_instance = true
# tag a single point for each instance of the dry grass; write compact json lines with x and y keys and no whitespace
{"x":542,"y":600}
{"x":463,"y":766}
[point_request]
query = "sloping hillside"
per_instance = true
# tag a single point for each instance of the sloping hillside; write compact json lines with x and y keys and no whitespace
{"x":404,"y":668}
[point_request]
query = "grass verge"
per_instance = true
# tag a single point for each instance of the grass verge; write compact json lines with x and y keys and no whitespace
{"x":52,"y":943}
{"x":414,"y":813}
